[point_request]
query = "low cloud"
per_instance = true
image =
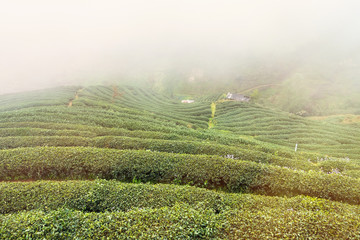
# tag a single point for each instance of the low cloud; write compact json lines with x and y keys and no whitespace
{"x":51,"y":43}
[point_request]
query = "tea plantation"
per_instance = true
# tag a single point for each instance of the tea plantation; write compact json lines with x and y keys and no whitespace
{"x":121,"y":162}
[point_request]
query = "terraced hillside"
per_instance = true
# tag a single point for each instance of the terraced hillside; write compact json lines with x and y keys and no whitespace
{"x":288,"y":129}
{"x":128,"y":163}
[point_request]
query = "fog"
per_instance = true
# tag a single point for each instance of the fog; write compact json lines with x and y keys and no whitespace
{"x":68,"y":42}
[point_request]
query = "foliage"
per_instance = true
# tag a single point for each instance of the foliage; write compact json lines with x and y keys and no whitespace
{"x":143,"y":210}
{"x":241,"y":179}
{"x":179,"y":221}
{"x":147,"y":166}
{"x":274,"y":223}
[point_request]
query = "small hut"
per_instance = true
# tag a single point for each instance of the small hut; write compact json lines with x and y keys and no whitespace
{"x":188,"y":101}
{"x":237,"y":97}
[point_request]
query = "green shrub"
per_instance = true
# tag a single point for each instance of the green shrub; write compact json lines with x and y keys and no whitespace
{"x":337,"y":165}
{"x":102,"y":195}
{"x":179,"y":221}
{"x":171,"y":146}
{"x":316,"y":184}
{"x":171,"y":212}
{"x":353,"y":173}
{"x":199,"y":170}
{"x":275,"y":223}
{"x":39,"y":141}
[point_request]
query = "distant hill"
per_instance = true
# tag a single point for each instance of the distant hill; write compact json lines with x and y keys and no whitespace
{"x":316,"y":79}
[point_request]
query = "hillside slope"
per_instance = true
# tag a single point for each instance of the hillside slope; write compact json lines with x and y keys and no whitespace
{"x":56,"y":145}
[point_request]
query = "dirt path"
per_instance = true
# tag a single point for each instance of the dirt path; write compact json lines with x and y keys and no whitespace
{"x":212,"y":121}
{"x":76,"y":97}
{"x":116,"y":93}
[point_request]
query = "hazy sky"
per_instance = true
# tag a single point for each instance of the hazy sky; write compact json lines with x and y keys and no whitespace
{"x":52,"y":42}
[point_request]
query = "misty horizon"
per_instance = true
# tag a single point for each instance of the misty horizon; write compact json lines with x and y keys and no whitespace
{"x":45,"y":44}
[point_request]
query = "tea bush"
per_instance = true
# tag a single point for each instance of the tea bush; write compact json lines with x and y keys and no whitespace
{"x":104,"y":195}
{"x":179,"y":221}
{"x":258,"y":182}
{"x":199,"y":170}
{"x":275,"y":223}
